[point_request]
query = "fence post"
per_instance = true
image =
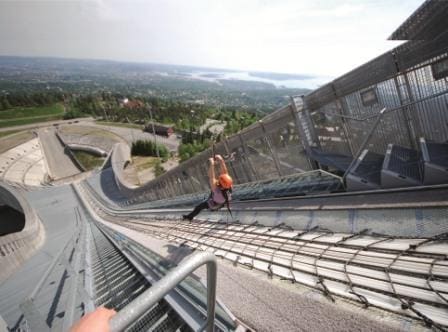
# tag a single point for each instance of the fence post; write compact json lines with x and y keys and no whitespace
{"x":413,"y":139}
{"x":305,"y":138}
{"x":340,"y":105}
{"x":252,"y":174}
{"x":268,"y":143}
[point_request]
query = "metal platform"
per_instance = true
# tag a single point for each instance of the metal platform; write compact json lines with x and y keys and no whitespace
{"x":366,"y":172}
{"x":435,"y":157}
{"x":402,"y":167}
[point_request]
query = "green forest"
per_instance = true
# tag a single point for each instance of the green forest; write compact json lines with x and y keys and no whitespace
{"x":23,"y":108}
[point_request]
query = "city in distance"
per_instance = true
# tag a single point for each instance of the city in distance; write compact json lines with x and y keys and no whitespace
{"x":259,"y":91}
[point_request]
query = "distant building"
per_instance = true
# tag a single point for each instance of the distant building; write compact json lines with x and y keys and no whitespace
{"x":123,"y":101}
{"x":214,"y":126}
{"x":131,"y":104}
{"x":160,"y":129}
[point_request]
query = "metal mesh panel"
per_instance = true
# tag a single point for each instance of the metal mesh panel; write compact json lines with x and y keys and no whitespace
{"x":240,"y":167}
{"x":329,"y":129}
{"x":320,"y":97}
{"x":278,"y":114}
{"x":425,"y":23}
{"x":414,"y":53}
{"x":376,"y":70}
{"x":259,"y":154}
{"x":187,"y":183}
{"x":422,"y":83}
{"x":171,"y":185}
{"x":430,"y":118}
{"x":387,"y":97}
{"x":392,"y":129}
{"x":285,"y":141}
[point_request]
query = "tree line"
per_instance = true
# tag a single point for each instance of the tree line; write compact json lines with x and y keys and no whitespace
{"x":20,"y":99}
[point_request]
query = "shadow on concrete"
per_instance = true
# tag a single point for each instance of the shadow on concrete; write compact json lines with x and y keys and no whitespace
{"x":177,"y":253}
{"x":109,"y":185}
{"x":11,"y":220}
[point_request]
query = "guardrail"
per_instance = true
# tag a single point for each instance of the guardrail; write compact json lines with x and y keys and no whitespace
{"x":150,"y":297}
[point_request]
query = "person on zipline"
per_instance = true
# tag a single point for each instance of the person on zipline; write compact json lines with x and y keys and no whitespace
{"x":221,"y":189}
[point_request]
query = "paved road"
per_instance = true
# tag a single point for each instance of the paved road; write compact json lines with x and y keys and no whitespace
{"x":46,"y":124}
{"x":59,"y":164}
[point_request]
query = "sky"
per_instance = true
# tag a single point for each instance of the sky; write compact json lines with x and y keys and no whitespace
{"x":315,"y":37}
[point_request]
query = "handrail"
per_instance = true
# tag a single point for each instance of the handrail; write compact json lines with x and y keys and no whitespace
{"x":129,"y":314}
{"x":389,"y":110}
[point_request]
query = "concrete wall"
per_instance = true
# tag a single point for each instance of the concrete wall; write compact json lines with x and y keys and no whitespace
{"x":121,"y":156}
{"x":70,"y":154}
{"x":17,"y":247}
{"x":88,"y":148}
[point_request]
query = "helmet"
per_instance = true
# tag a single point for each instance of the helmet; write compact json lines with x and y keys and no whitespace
{"x":225,"y":181}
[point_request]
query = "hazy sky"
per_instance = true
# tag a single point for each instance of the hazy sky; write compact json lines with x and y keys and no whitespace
{"x":322,"y":37}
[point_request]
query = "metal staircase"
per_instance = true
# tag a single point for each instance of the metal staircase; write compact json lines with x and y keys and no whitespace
{"x":435,"y":159}
{"x":366,"y":172}
{"x":400,"y":167}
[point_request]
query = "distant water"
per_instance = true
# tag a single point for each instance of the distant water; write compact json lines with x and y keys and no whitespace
{"x":214,"y":76}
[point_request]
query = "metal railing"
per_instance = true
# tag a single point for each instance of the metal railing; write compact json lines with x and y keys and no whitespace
{"x":129,"y":314}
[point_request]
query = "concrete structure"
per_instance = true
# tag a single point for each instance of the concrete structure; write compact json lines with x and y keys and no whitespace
{"x":16,"y":248}
{"x":132,"y":135}
{"x":60,"y":165}
{"x":24,"y":164}
{"x":86,"y":138}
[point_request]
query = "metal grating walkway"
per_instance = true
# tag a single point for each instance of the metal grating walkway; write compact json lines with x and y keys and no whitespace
{"x":116,"y":283}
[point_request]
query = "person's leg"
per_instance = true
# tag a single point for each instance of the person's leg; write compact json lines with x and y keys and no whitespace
{"x":197,"y":209}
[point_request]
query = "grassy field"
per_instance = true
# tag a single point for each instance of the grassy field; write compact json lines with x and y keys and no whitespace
{"x":120,"y":124}
{"x":11,"y":141}
{"x":9,"y":132}
{"x":28,"y":115}
{"x":91,"y":131}
{"x":143,"y":163}
{"x":88,"y":160}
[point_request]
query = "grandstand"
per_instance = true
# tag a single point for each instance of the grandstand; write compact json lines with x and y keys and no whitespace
{"x":339,"y":217}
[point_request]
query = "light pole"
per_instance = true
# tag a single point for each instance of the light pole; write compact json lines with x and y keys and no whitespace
{"x":132,"y":130}
{"x":153,"y":131}
{"x":192,"y":126}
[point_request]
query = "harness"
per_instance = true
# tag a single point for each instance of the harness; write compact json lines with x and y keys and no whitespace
{"x":218,"y":206}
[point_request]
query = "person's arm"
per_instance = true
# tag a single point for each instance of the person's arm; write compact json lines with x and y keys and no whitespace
{"x":222,"y":164}
{"x":211,"y":174}
{"x":97,"y":321}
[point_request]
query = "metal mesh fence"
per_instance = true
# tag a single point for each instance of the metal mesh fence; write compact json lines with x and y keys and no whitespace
{"x":287,"y":146}
{"x":329,"y":128}
{"x":259,"y":154}
{"x":336,"y":119}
